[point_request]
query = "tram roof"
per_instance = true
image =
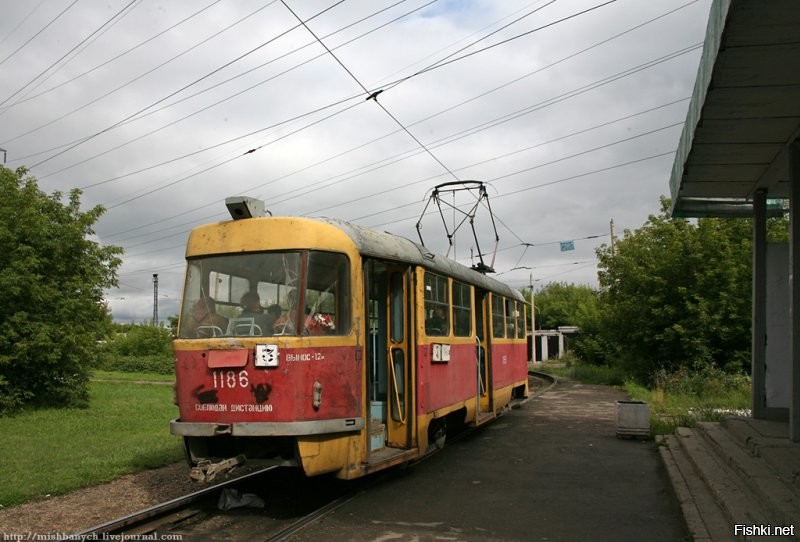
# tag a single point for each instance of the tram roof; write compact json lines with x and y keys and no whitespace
{"x":388,"y":246}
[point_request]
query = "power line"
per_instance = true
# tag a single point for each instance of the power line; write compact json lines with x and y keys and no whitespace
{"x":19,"y":24}
{"x":77,"y":51}
{"x":65,"y":55}
{"x":109,"y":61}
{"x":494,"y":158}
{"x":162,"y":187}
{"x":651,"y":63}
{"x":574,"y":155}
{"x":506,"y":118}
{"x":309,"y":188}
{"x":444,"y":62}
{"x":392,"y":85}
{"x":370,"y":95}
{"x":92,"y":136}
{"x":545,"y":103}
{"x":152,"y":111}
{"x":232,"y":140}
{"x":18,"y":49}
{"x":542,"y":185}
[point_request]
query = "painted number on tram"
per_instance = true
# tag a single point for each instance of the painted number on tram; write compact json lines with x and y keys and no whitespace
{"x":230,"y":379}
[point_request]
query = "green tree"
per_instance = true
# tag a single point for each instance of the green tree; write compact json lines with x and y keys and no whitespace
{"x":675,"y":294}
{"x":562,"y":304}
{"x":52,"y":279}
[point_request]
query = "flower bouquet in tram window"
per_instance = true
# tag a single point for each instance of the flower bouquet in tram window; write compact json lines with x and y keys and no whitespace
{"x":319,"y":323}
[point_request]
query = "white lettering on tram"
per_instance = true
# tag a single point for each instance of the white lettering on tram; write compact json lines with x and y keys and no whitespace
{"x":251,"y":408}
{"x":211,"y":407}
{"x":236,"y":407}
{"x":308,"y":356}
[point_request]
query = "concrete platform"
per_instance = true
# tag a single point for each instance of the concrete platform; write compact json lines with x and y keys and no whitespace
{"x":737,"y":472}
{"x":550,"y":470}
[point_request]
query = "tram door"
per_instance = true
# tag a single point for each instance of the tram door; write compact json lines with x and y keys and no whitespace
{"x":483,"y":372}
{"x":389,"y":355}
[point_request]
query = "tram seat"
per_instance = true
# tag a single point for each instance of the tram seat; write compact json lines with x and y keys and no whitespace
{"x":240,"y":327}
{"x":204,"y":332}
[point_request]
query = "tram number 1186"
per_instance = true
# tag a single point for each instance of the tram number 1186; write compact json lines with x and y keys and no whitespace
{"x":230,"y":379}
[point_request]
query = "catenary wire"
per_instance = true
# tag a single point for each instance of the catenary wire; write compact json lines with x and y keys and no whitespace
{"x":370,"y":95}
{"x":238,"y":93}
{"x":19,"y":24}
{"x":109,"y":61}
{"x":118,"y":123}
{"x":65,"y":55}
{"x":583,"y":89}
{"x":45,"y":27}
{"x":152,"y":111}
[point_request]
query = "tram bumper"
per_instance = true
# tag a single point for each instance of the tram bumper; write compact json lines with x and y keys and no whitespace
{"x":265,"y":429}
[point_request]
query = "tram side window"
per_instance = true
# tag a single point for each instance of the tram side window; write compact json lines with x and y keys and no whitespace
{"x":437,"y":306}
{"x":520,"y":312}
{"x":498,"y":317}
{"x":462,"y":309}
{"x":327,"y":299}
{"x":512,"y":315}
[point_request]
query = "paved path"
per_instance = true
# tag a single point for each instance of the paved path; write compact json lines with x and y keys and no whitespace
{"x":551,"y":470}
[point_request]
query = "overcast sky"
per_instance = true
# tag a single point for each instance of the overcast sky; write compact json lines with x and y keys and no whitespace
{"x":569,"y":110}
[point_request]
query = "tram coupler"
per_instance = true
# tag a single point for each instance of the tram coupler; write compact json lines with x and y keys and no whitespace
{"x":206,"y":470}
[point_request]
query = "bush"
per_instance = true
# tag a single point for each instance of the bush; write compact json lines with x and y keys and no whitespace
{"x":138,"y":364}
{"x":139,"y":348}
{"x":142,"y":340}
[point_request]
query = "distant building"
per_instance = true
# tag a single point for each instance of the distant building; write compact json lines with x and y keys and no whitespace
{"x":553,"y":343}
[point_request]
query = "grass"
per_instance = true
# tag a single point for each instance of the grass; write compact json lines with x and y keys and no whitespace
{"x":586,"y":373}
{"x":132,"y":377}
{"x":53,"y":451}
{"x":670,"y":409}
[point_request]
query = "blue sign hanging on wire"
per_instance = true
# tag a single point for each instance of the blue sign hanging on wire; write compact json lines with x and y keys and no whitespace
{"x":567,"y":245}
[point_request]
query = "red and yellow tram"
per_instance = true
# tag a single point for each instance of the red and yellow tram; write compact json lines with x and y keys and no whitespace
{"x":325,"y":345}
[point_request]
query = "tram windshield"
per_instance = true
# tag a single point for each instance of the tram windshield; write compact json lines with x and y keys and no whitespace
{"x":266,"y":294}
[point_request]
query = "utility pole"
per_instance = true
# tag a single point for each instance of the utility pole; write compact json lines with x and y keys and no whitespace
{"x":155,"y":299}
{"x":4,"y":155}
{"x":533,"y":323}
{"x":613,"y":238}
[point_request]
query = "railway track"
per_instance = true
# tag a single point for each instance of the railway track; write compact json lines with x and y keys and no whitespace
{"x":291,"y":500}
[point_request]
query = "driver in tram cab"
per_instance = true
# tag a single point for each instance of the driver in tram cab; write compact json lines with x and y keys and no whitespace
{"x":204,"y":321}
{"x":251,"y":308}
{"x":273,"y":318}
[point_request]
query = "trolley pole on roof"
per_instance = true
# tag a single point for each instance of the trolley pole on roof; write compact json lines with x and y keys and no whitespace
{"x":155,"y":299}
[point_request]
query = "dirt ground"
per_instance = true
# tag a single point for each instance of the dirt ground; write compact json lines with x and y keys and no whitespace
{"x":85,"y":508}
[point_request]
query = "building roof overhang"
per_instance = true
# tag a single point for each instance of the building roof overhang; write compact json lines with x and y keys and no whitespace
{"x":744,"y":112}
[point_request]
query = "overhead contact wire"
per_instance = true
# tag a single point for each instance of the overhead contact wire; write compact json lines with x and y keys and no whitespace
{"x":370,"y":95}
{"x":18,"y":49}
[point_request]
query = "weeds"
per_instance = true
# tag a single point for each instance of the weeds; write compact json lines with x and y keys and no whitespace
{"x":685,"y":397}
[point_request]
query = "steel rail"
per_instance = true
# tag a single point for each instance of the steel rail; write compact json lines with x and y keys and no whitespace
{"x":159,"y":510}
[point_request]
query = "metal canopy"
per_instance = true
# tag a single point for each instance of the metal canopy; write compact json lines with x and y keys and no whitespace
{"x":744,"y":112}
